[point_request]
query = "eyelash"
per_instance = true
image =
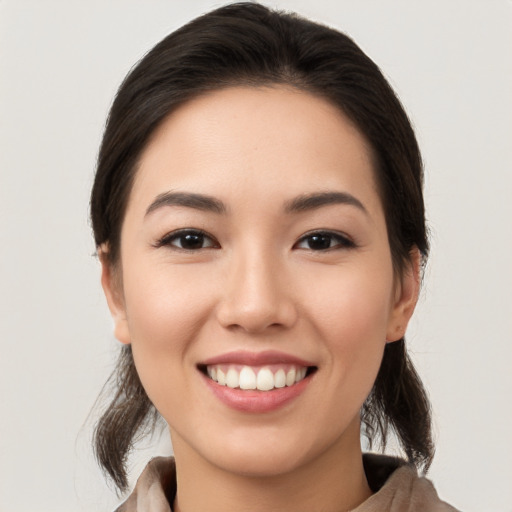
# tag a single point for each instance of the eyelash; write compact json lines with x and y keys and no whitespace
{"x":341,"y":241}
{"x":168,"y":239}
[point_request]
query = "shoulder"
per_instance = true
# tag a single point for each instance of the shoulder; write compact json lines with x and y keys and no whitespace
{"x":155,"y":488}
{"x":398,"y":488}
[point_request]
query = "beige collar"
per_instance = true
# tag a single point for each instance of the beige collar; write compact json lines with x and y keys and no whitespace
{"x":396,"y":486}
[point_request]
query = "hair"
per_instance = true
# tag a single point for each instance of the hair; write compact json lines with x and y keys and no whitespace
{"x":247,"y":44}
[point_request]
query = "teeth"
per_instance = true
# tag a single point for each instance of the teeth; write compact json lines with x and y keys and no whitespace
{"x":232,"y":378}
{"x":265,"y":380}
{"x":290,"y":377}
{"x":212,"y":372}
{"x":247,"y":378}
{"x":262,"y":379}
{"x":280,"y":379}
{"x":300,"y":374}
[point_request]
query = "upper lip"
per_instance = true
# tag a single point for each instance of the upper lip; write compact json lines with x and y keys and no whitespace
{"x":256,"y":358}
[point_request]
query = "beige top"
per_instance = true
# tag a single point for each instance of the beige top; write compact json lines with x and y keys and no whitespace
{"x":396,"y":485}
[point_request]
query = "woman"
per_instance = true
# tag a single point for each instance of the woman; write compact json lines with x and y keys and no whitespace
{"x":259,"y":218}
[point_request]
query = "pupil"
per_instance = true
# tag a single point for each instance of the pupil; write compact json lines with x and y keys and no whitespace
{"x":319,"y":242}
{"x":192,"y":241}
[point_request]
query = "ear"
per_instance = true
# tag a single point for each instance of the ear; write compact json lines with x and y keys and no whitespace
{"x":112,"y":287}
{"x":406,"y":297}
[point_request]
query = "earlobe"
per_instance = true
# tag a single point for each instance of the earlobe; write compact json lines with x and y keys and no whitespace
{"x":406,"y":298}
{"x":112,"y":288}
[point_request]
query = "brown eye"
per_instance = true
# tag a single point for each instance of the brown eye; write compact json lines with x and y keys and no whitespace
{"x":323,"y":241}
{"x":188,"y":240}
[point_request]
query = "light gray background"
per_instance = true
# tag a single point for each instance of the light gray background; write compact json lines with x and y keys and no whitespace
{"x":60,"y":64}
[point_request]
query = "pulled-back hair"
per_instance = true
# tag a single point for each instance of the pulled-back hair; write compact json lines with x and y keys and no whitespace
{"x":246,"y":44}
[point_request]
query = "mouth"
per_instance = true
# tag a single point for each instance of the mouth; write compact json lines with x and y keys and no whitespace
{"x":267,"y":377}
{"x":257,"y":382}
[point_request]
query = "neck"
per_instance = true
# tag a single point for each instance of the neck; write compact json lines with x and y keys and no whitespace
{"x":332,"y":482}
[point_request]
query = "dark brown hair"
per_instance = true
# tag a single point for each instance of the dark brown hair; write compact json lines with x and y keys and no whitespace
{"x":248,"y":44}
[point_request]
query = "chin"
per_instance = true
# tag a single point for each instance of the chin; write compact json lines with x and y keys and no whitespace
{"x":258,"y":465}
{"x":264,"y":454}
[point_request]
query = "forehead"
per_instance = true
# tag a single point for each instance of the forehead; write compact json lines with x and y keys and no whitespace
{"x":266,"y":139}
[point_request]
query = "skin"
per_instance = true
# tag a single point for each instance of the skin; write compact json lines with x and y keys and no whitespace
{"x":258,"y":285}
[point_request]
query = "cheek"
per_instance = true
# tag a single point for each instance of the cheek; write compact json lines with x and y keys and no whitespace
{"x":164,"y":304}
{"x":352,"y":303}
{"x":350,"y":311}
{"x":165,"y":310}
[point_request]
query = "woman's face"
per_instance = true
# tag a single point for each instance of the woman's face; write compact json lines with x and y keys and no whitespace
{"x":254,"y":252}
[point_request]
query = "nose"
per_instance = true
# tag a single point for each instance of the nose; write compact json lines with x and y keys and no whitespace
{"x":257,"y":296}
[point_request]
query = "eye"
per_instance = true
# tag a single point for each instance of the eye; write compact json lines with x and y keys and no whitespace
{"x":188,"y":240}
{"x":323,"y":241}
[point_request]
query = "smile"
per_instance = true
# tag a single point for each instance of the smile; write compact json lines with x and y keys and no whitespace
{"x":257,"y":382}
{"x":264,"y":378}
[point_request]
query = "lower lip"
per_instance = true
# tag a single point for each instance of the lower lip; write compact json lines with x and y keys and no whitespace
{"x":256,"y":401}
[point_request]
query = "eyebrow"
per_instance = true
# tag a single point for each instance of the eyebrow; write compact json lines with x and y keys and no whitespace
{"x":189,"y":200}
{"x":299,"y":204}
{"x":319,"y":199}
